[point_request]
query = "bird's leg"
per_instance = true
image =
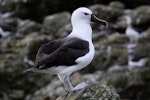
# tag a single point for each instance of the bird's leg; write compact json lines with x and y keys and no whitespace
{"x":68,"y":84}
{"x":66,"y":81}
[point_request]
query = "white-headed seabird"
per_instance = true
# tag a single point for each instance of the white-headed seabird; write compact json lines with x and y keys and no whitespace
{"x":72,"y":53}
{"x":132,"y":34}
{"x":136,"y":61}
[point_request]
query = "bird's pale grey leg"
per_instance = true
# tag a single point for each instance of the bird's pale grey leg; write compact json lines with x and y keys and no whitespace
{"x":68,"y":86}
{"x":66,"y":81}
{"x":71,"y":88}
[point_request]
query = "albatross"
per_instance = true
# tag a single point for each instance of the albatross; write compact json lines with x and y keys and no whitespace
{"x":132,"y":33}
{"x":64,"y":56}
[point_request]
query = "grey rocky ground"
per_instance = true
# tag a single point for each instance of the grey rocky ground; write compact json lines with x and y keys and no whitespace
{"x":18,"y":50}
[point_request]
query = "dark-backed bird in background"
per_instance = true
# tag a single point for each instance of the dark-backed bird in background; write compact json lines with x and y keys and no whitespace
{"x":133,"y":34}
{"x":5,"y":28}
{"x":72,"y":53}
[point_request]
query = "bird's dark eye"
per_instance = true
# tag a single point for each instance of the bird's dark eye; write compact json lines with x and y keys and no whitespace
{"x":85,"y":13}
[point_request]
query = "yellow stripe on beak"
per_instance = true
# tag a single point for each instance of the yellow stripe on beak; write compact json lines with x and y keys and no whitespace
{"x":97,"y":20}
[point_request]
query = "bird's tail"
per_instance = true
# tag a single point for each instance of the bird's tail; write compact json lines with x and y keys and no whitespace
{"x":32,"y":69}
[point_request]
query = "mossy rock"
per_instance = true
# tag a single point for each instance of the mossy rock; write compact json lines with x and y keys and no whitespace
{"x":98,"y":91}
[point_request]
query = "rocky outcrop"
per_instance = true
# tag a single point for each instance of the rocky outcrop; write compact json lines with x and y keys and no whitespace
{"x":54,"y":23}
{"x":113,"y":11}
{"x":36,"y":10}
{"x":140,"y":17}
{"x":94,"y":91}
{"x":19,"y":47}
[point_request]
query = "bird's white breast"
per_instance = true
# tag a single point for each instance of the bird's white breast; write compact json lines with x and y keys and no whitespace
{"x":85,"y":60}
{"x":132,"y":33}
{"x":81,"y":61}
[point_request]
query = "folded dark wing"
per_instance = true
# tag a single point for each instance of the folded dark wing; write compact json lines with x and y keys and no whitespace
{"x":65,"y":54}
{"x":48,"y":48}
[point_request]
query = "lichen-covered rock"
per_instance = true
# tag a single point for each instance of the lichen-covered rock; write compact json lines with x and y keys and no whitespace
{"x":144,"y":48}
{"x":117,"y":38}
{"x":106,"y":12}
{"x":36,"y":10}
{"x":99,"y":91}
{"x":110,"y":55}
{"x":27,"y":26}
{"x":110,"y":62}
{"x":148,"y":32}
{"x":14,"y":83}
{"x":53,"y":23}
{"x":116,"y":4}
{"x":48,"y":92}
{"x":140,"y":17}
{"x":35,"y":44}
{"x":130,"y":83}
{"x":110,"y":51}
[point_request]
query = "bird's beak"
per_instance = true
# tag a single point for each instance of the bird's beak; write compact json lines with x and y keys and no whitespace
{"x":98,"y":21}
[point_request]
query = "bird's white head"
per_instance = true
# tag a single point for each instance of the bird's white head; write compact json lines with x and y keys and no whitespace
{"x":84,"y":15}
{"x":81,"y":15}
{"x":81,"y":19}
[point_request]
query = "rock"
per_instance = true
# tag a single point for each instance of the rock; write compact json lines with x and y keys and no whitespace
{"x":53,"y":23}
{"x":117,"y":38}
{"x":65,"y":30}
{"x":36,"y":10}
{"x":140,"y":17}
{"x":116,"y":4}
{"x":99,"y":36}
{"x":124,"y":79}
{"x":48,"y":91}
{"x":148,"y":32}
{"x":129,"y":84}
{"x":6,"y":25}
{"x":109,"y":13}
{"x":144,"y":48}
{"x":11,"y":71}
{"x":7,"y":5}
{"x":98,"y":91}
{"x":110,"y":55}
{"x":12,"y":54}
{"x":121,"y":22}
{"x":7,"y":45}
{"x":27,"y":26}
{"x":17,"y":94}
{"x":110,"y":62}
{"x":35,"y":44}
{"x":32,"y":43}
{"x":110,"y":51}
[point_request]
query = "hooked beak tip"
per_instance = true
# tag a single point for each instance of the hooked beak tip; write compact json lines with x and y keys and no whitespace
{"x":107,"y":24}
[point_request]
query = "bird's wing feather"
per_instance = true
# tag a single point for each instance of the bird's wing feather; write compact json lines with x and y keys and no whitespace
{"x":48,"y":48}
{"x":66,"y":54}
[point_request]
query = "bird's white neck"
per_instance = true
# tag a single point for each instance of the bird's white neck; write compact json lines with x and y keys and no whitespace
{"x":82,"y":31}
{"x":129,"y":21}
